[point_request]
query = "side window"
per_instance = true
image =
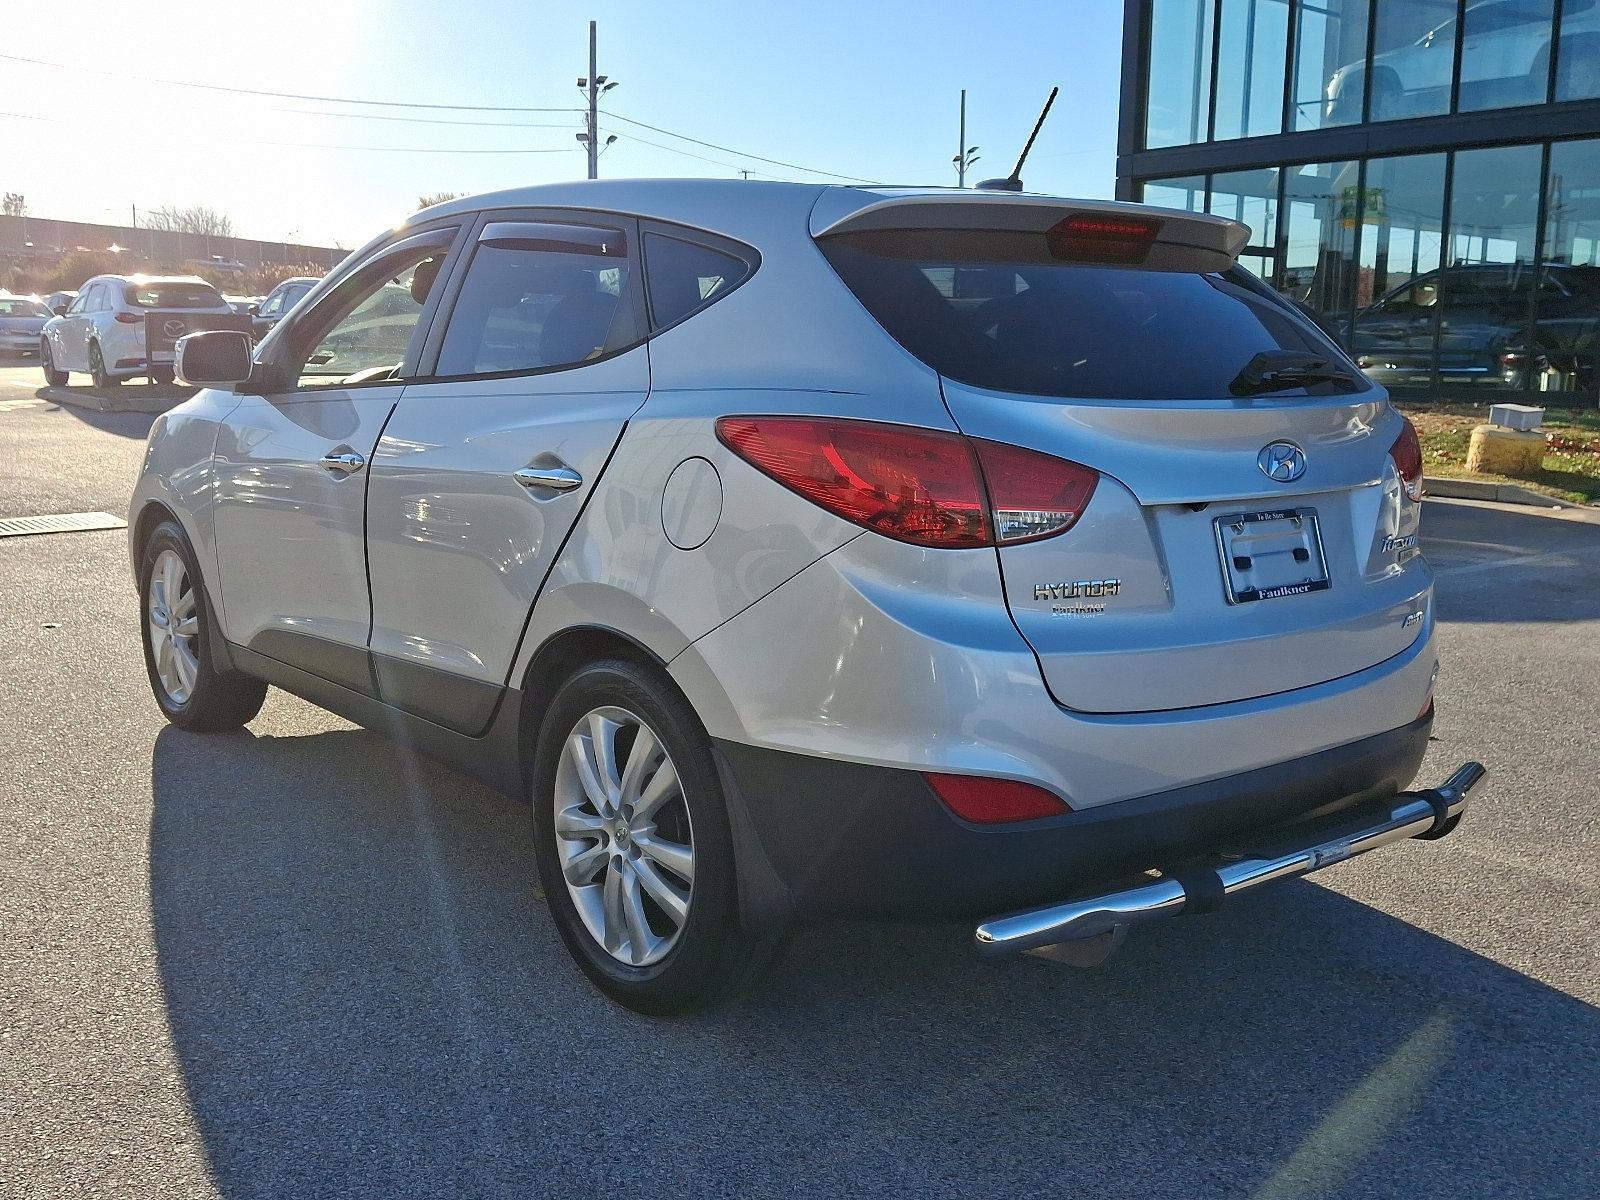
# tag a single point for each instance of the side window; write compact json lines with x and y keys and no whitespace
{"x":538,"y":296}
{"x":271,"y":305}
{"x":363,"y":330}
{"x":80,"y":303}
{"x":684,"y":276}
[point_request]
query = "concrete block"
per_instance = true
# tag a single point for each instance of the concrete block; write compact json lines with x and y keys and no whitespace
{"x":1496,"y":450}
{"x":1516,"y":416}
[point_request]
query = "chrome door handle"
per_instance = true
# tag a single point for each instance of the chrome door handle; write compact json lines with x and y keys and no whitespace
{"x":560,"y":479}
{"x":347,"y":463}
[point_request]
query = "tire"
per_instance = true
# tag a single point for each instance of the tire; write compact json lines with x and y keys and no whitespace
{"x":97,"y":369}
{"x":191,"y":691}
{"x":162,"y":376}
{"x":1386,"y":95}
{"x":674,"y":964}
{"x":1578,"y":69}
{"x":47,"y":360}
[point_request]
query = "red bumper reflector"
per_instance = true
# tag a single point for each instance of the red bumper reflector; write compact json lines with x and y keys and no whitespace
{"x":985,"y":801}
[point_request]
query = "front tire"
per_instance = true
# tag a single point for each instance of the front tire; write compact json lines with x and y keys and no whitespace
{"x":162,"y":376}
{"x":47,"y":360}
{"x":633,"y":843}
{"x":176,"y":624}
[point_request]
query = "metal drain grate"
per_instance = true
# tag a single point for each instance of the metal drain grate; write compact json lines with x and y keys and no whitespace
{"x":61,"y":523}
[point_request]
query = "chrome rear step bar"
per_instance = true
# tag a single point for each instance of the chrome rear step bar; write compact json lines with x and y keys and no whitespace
{"x":1202,"y":886}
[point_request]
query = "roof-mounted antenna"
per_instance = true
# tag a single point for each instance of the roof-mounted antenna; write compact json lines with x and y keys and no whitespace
{"x":1013,"y":181}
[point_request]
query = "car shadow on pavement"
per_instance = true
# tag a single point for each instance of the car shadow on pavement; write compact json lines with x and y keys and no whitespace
{"x":1500,"y":564}
{"x":123,"y":424}
{"x":366,"y":997}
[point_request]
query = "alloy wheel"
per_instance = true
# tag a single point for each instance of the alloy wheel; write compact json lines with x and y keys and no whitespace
{"x":623,"y":836}
{"x":174,"y":620}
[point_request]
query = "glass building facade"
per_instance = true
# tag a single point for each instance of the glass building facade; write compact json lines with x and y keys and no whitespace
{"x":1424,"y":175}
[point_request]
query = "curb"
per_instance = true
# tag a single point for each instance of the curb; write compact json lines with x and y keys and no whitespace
{"x":1504,"y":493}
{"x":93,"y":401}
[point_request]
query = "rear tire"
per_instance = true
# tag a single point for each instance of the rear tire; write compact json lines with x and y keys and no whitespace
{"x":1578,"y":69}
{"x":97,"y":368}
{"x":162,"y":376}
{"x":47,"y":360}
{"x":1387,"y":94}
{"x":633,"y":843}
{"x":175,"y":626}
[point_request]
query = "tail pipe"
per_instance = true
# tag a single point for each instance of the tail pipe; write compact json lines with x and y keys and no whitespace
{"x":1203,"y":886}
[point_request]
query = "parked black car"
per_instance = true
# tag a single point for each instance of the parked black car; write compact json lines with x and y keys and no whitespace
{"x":278,"y":303}
{"x":1482,"y":315}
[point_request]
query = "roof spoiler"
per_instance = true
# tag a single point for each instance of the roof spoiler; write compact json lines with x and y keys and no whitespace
{"x":1185,"y":241}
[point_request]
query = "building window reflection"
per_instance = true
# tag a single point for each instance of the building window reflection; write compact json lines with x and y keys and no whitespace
{"x":1505,"y":53}
{"x":1252,"y":43}
{"x":1329,"y":35}
{"x":1251,"y":198}
{"x":1578,"y":63}
{"x":1178,"y":99}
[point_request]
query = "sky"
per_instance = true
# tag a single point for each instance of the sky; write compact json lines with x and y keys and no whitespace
{"x":864,"y":89}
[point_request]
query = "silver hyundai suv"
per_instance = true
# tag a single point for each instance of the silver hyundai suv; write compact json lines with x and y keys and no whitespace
{"x":805,"y":550}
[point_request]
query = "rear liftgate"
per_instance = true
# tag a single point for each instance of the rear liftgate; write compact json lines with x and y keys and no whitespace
{"x":1084,"y":932}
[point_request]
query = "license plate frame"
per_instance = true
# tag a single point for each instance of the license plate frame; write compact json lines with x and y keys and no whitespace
{"x":1271,"y":553}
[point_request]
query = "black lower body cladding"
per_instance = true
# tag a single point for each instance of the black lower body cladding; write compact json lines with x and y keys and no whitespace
{"x":817,"y":836}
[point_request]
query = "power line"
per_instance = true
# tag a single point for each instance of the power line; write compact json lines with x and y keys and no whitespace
{"x":740,"y":153}
{"x":361,"y":116}
{"x":633,"y":137}
{"x":413,"y":149}
{"x":383,"y":149}
{"x":237,"y":91}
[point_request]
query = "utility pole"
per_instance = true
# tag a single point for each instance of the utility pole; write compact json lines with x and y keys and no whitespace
{"x":595,"y":86}
{"x":965,"y":155}
{"x":594,"y":106}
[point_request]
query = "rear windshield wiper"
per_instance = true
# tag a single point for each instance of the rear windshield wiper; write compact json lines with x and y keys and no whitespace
{"x":1278,"y":370}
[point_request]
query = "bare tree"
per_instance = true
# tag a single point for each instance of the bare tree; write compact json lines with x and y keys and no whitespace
{"x":433,"y":198}
{"x":13,"y":205}
{"x":197,"y":218}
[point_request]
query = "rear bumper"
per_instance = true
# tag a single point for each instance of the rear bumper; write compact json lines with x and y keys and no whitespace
{"x":1204,"y":885}
{"x":818,"y":836}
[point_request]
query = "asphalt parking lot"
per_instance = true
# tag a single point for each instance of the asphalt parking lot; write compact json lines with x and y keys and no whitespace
{"x":297,"y":961}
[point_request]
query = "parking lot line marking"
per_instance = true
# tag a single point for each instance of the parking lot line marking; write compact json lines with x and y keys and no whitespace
{"x":59,"y":523}
{"x":12,"y":405}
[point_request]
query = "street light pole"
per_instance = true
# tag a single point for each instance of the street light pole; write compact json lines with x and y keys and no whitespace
{"x":594,"y":103}
{"x":594,"y":86}
{"x":965,"y":155}
{"x":961,"y":145}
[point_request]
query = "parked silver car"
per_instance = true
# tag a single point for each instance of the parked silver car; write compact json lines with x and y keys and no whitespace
{"x":810,"y":550}
{"x":21,"y":319}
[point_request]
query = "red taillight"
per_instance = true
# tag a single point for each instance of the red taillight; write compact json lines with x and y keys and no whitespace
{"x":922,"y":486}
{"x":1407,"y":455}
{"x":1104,"y":238}
{"x":917,"y":485}
{"x":127,"y":318}
{"x":986,"y":801}
{"x":1033,"y":495}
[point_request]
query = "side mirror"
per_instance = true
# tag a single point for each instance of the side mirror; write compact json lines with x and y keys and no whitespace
{"x":214,"y":358}
{"x":253,"y":309}
{"x":60,"y":310}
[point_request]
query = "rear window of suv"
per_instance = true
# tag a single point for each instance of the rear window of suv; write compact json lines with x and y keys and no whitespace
{"x":174,"y":295}
{"x":994,"y":314}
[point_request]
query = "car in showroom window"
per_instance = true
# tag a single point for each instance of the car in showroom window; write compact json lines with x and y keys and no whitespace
{"x":799,"y":552}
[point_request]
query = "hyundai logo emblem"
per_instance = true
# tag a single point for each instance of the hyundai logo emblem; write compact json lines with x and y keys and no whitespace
{"x":1282,"y":462}
{"x":174,"y":328}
